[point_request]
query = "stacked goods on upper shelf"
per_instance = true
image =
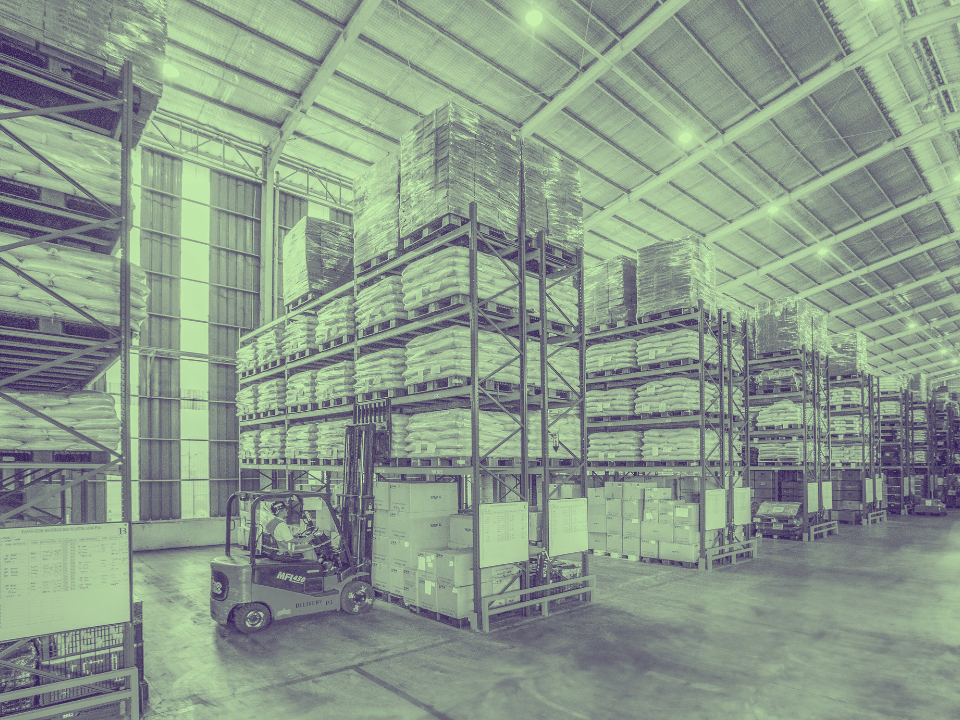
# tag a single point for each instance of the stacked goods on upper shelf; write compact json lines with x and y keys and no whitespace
{"x":247,"y":400}
{"x":683,"y":445}
{"x":90,"y":413}
{"x":379,"y":303}
{"x":781,"y":414}
{"x":848,"y":354}
{"x":301,"y":388}
{"x":91,"y":281}
{"x":336,"y":381}
{"x":891,"y":383}
{"x":678,"y":394}
{"x":553,"y":201}
{"x":446,"y":273}
{"x":676,"y":345}
{"x":301,"y":441}
{"x":447,"y":433}
{"x":381,"y":370}
{"x":675,"y":274}
{"x":610,"y":292}
{"x":453,"y":157}
{"x":616,"y":446}
{"x":337,"y":319}
{"x":269,"y":346}
{"x":249,"y":444}
{"x":271,"y":443}
{"x":398,"y":435}
{"x":246,"y":358}
{"x":317,"y":257}
{"x":300,"y":333}
{"x":617,"y":355}
{"x":271,"y":394}
{"x":446,"y":353}
{"x":376,"y":210}
{"x":619,"y":401}
{"x":330,"y":438}
{"x":918,"y":386}
{"x":105,"y":31}
{"x":782,"y":325}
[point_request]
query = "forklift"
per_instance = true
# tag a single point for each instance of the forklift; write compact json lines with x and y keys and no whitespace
{"x":262,"y":578}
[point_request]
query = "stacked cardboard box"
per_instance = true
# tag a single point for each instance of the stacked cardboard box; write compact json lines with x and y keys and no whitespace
{"x":317,"y":256}
{"x":675,"y":274}
{"x":610,"y":292}
{"x":553,"y":201}
{"x":376,"y":210}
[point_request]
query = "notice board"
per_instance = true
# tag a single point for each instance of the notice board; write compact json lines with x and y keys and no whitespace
{"x":63,"y":577}
{"x":568,"y":526}
{"x":504,"y":533}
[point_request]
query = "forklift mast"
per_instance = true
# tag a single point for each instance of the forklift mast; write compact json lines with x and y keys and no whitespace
{"x":367,"y":443}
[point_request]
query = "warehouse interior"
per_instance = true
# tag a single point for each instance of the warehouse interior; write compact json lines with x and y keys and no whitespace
{"x":598,"y":359}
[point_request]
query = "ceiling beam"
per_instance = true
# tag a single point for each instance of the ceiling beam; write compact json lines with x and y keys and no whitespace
{"x":944,"y":338}
{"x":906,"y":313}
{"x":849,"y":233}
{"x":895,"y":291}
{"x":911,"y":30}
{"x":930,"y":354}
{"x":928,"y":131}
{"x":914,"y":331}
{"x":644,"y":29}
{"x":320,"y":78}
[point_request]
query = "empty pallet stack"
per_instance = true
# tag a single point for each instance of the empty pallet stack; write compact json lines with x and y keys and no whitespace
{"x":894,"y":451}
{"x":788,"y":403}
{"x":665,"y":407}
{"x":919,"y":436}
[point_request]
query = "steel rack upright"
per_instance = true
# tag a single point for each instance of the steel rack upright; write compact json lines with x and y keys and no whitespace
{"x":919,"y":438}
{"x":40,"y":354}
{"x":853,"y":480}
{"x":893,"y":449}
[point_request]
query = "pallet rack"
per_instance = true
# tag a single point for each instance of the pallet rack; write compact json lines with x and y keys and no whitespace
{"x":894,"y":450}
{"x":721,"y":471}
{"x":919,"y":438}
{"x":523,"y":479}
{"x":945,"y":416}
{"x":68,"y":356}
{"x":802,"y":482}
{"x":852,"y":480}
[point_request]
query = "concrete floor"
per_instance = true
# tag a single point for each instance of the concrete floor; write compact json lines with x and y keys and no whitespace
{"x":864,"y":625}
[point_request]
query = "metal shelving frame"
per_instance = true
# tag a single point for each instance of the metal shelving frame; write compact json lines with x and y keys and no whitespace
{"x":77,"y":362}
{"x":865,"y":411}
{"x":915,"y":425}
{"x":893,"y":439}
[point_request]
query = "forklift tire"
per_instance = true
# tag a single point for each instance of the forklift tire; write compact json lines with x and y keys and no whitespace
{"x":356,"y":597}
{"x":251,"y":617}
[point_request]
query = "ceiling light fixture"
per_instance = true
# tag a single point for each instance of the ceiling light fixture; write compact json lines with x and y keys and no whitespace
{"x":170,"y":71}
{"x":929,"y":107}
{"x":911,"y":325}
{"x":534,"y":17}
{"x":773,"y":209}
{"x":823,"y":251}
{"x":685,"y":137}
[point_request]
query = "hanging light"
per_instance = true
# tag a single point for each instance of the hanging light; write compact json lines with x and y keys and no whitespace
{"x":170,"y":71}
{"x":534,"y":17}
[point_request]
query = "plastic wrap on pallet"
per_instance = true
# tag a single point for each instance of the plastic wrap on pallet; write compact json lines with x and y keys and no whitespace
{"x":272,"y":443}
{"x":380,"y":302}
{"x":271,"y":394}
{"x":93,"y":414}
{"x":675,"y":274}
{"x":786,"y":377}
{"x":247,"y":400}
{"x":676,"y":394}
{"x":381,"y":370}
{"x":270,"y":345}
{"x":616,"y":355}
{"x":300,"y":333}
{"x":848,"y":353}
{"x":301,"y":441}
{"x":301,"y":388}
{"x":918,"y":386}
{"x":610,"y":292}
{"x":330,"y":438}
{"x":317,"y":256}
{"x":739,"y":314}
{"x":782,"y":412}
{"x":682,"y":445}
{"x":447,"y":433}
{"x":447,"y":272}
{"x":453,"y":157}
{"x":89,"y":280}
{"x":892,"y":383}
{"x":553,"y":199}
{"x":246,"y":357}
{"x":617,"y":446}
{"x":446,"y":353}
{"x":335,"y":381}
{"x":376,"y":210}
{"x":336,"y":320}
{"x":676,"y":345}
{"x":780,"y":325}
{"x":398,"y":435}
{"x":619,"y":401}
{"x":563,"y":364}
{"x":249,"y":443}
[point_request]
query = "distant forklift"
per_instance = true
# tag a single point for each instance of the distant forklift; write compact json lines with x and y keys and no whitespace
{"x":263,"y":579}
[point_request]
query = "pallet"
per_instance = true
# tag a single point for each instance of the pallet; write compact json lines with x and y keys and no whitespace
{"x":302,"y":407}
{"x":781,"y":536}
{"x":608,"y":326}
{"x":732,"y":554}
{"x":454,"y":301}
{"x":672,"y":313}
{"x":552,"y":394}
{"x":463,"y":462}
{"x":670,"y":563}
{"x":456,"y":381}
{"x":52,"y":326}
{"x":46,"y":457}
{"x":272,"y":461}
{"x":553,"y":252}
{"x":336,"y":342}
{"x":398,"y":462}
{"x":300,"y":354}
{"x":381,"y":394}
{"x":612,"y":418}
{"x":272,"y":365}
{"x":822,"y":531}
{"x":459,"y":623}
{"x":378,"y":328}
{"x":616,"y":556}
{"x":314,"y":462}
{"x":770,"y":428}
{"x":552,"y":462}
{"x":776,"y":389}
{"x":613,"y":372}
{"x":270,"y":413}
{"x":445,"y":225}
{"x":377,"y":260}
{"x":337,"y":402}
{"x":614,"y":463}
{"x":668,"y":364}
{"x":553,"y":326}
{"x":302,"y":300}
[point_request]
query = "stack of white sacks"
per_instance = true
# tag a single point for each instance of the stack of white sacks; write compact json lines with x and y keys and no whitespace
{"x":675,"y":394}
{"x":246,"y":358}
{"x":380,"y":303}
{"x":300,"y":334}
{"x":249,"y":444}
{"x":90,"y":413}
{"x":846,"y":396}
{"x":682,"y":445}
{"x":779,"y":414}
{"x":301,"y":388}
{"x":846,"y":425}
{"x":269,"y":345}
{"x":335,"y":320}
{"x":619,"y":401}
{"x":446,"y":433}
{"x":676,"y":345}
{"x":612,"y":356}
{"x":271,"y":394}
{"x":447,"y":272}
{"x":381,"y":370}
{"x":89,"y":280}
{"x":398,"y":437}
{"x":446,"y":353}
{"x":851,"y":453}
{"x":247,"y":400}
{"x":272,"y":443}
{"x":330,"y":439}
{"x":622,"y":445}
{"x":890,"y":408}
{"x":301,"y":441}
{"x":335,"y":381}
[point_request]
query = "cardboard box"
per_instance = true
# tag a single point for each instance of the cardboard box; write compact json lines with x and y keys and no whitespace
{"x":613,"y":490}
{"x":686,"y":534}
{"x":636,"y":490}
{"x":614,"y":525}
{"x":379,"y":572}
{"x":565,"y":491}
{"x":381,"y":496}
{"x":649,"y":548}
{"x":631,"y":509}
{"x":380,"y":544}
{"x":631,"y":544}
{"x":597,"y":524}
{"x":658,"y":494}
{"x":394,"y":579}
{"x":461,"y":531}
{"x":614,"y":506}
{"x":661,"y":532}
{"x":666,"y":508}
{"x":679,"y":553}
{"x":453,"y":567}
{"x":597,"y":541}
{"x":428,"y":497}
{"x":409,"y":585}
{"x":686,"y":514}
{"x":381,"y":520}
{"x":595,"y":495}
{"x":615,"y":543}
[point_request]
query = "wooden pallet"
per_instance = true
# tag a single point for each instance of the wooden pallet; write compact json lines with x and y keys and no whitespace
{"x":302,"y":300}
{"x":378,"y":328}
{"x":52,"y":326}
{"x":732,"y":554}
{"x":46,"y":457}
{"x":336,"y":342}
{"x":456,"y":381}
{"x":271,"y":413}
{"x":670,"y":364}
{"x":367,"y":265}
{"x":682,"y":313}
{"x":456,"y":301}
{"x":554,"y":253}
{"x":463,"y":462}
{"x":301,"y":354}
{"x":337,"y":402}
{"x":613,"y":372}
{"x":272,"y":365}
{"x":609,"y":326}
{"x":445,"y":225}
{"x":381,"y":394}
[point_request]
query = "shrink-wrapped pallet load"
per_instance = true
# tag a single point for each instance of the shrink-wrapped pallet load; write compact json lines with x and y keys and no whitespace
{"x":918,"y":386}
{"x":317,"y":257}
{"x":616,"y":355}
{"x":249,"y":443}
{"x":301,"y":388}
{"x":848,"y":353}
{"x":675,"y":274}
{"x":676,"y":345}
{"x":621,"y":445}
{"x":300,"y":333}
{"x":676,"y":394}
{"x":380,"y":302}
{"x":89,"y":280}
{"x":892,"y":383}
{"x":782,"y":325}
{"x":446,"y":353}
{"x":336,"y":320}
{"x":786,"y":452}
{"x":376,"y":210}
{"x":553,"y":200}
{"x":247,"y":400}
{"x":381,"y":370}
{"x":447,"y":272}
{"x":455,"y":156}
{"x":447,"y":433}
{"x":610,"y":292}
{"x":619,"y":401}
{"x":336,"y":381}
{"x":93,"y":414}
{"x":301,"y":441}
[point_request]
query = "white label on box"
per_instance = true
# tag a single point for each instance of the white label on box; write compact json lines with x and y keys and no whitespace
{"x":681,"y":512}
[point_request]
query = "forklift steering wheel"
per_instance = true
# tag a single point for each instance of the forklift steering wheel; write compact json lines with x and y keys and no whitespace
{"x":310,"y":530}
